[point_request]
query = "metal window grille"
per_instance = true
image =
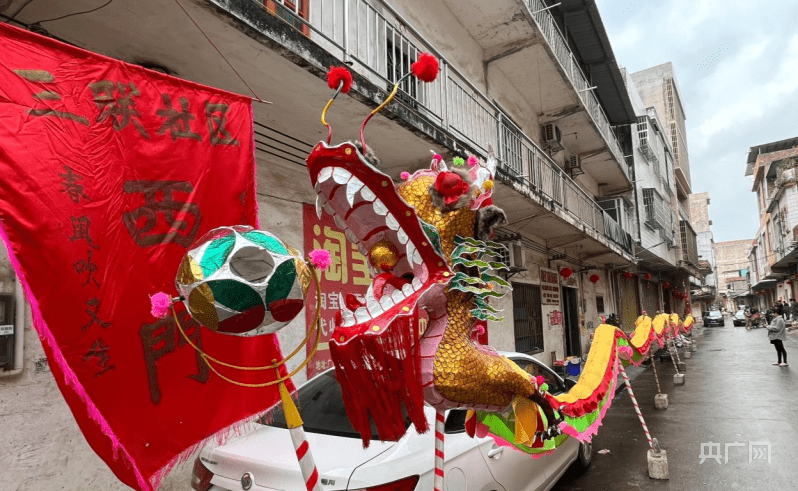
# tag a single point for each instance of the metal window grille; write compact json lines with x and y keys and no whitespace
{"x":689,"y":248}
{"x":528,"y":318}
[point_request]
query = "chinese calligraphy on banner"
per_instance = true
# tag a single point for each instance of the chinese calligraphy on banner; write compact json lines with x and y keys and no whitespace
{"x":110,"y":172}
{"x":549,"y":287}
{"x":348,"y":274}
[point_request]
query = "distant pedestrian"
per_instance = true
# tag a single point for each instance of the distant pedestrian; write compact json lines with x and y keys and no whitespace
{"x":794,"y":309}
{"x":748,"y":318}
{"x":777,"y":335}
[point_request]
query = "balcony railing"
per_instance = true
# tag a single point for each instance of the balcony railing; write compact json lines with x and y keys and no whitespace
{"x":547,"y":25}
{"x":381,"y":45}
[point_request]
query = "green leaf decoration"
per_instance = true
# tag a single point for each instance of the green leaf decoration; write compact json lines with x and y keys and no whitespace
{"x":475,"y":290}
{"x":458,"y":161}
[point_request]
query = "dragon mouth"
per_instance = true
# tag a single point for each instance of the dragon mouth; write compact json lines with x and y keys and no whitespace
{"x":365,"y":205}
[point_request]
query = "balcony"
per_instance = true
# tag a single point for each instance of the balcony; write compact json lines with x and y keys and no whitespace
{"x":689,"y":248}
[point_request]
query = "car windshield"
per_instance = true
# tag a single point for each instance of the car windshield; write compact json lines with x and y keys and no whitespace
{"x":715,"y":313}
{"x":322,"y":409}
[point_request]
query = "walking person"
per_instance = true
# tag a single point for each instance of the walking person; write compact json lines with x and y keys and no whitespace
{"x":777,"y":335}
{"x":748,"y":317}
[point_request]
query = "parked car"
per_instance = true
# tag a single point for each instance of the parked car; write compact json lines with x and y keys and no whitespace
{"x":266,"y":454}
{"x":738,"y":319}
{"x":714,"y":318}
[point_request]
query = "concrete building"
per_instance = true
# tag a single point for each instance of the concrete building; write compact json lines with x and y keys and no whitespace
{"x":554,"y":107}
{"x":731,"y":261}
{"x":775,"y":246}
{"x":665,"y":243}
{"x":704,"y":296}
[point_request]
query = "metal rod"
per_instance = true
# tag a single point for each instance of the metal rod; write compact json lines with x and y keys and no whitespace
{"x":547,"y":8}
{"x":637,"y":408}
{"x":656,"y":377}
{"x":439,"y":427}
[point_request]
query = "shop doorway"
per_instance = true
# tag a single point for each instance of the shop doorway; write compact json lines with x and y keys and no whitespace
{"x":570,"y":314}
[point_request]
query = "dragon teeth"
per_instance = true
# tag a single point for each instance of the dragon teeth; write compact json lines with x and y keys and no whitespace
{"x":386,"y":302}
{"x":402,"y":236}
{"x":411,"y":249}
{"x":341,"y":175}
{"x":391,"y":222}
{"x":324,"y":174}
{"x":397,"y":296}
{"x":372,"y":305}
{"x":351,"y":236}
{"x":380,"y":208}
{"x":319,"y":206}
{"x":417,"y":257}
{"x":407,"y":289}
{"x":340,"y":222}
{"x":362,"y":315}
{"x":367,"y":194}
{"x":416,"y":284}
{"x":352,"y":187}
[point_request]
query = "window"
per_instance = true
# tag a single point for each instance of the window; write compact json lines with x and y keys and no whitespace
{"x":291,"y":12}
{"x":528,"y":318}
{"x":600,"y":305}
{"x":536,"y":368}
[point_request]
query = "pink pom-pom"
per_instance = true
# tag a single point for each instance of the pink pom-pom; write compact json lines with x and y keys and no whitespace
{"x":159,"y":304}
{"x":540,"y":380}
{"x":625,"y":352}
{"x":320,"y":258}
{"x":405,"y":175}
{"x":472,"y":161}
{"x":426,"y":68}
{"x":437,"y":157}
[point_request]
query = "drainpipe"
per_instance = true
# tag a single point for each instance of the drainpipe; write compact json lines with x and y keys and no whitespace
{"x":19,"y":326}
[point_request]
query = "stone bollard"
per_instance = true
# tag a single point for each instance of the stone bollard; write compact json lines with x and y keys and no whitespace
{"x":688,"y":354}
{"x":682,"y":366}
{"x":661,"y":401}
{"x":657,"y":464}
{"x":678,"y":379}
{"x":693,"y":347}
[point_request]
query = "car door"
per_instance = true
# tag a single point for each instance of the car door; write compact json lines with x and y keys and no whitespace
{"x":557,"y":462}
{"x":515,"y":470}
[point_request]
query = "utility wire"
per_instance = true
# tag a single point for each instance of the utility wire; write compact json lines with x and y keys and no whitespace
{"x":68,"y":15}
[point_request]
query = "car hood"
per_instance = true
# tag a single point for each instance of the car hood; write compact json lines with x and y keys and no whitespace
{"x":268,"y":454}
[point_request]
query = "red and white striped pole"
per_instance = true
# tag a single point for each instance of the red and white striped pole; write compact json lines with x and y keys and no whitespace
{"x":438,"y":478}
{"x":294,"y":423}
{"x":637,"y":408}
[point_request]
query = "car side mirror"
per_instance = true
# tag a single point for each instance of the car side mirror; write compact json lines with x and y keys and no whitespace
{"x":569,"y":383}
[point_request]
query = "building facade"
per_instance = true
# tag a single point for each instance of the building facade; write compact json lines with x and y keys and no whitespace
{"x":731,"y":261}
{"x":704,"y":296}
{"x":774,"y":249}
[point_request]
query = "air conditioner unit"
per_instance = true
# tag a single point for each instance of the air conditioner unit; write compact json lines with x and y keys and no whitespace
{"x":552,"y":137}
{"x":574,"y":165}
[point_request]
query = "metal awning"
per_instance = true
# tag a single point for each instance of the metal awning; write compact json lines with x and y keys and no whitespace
{"x":763,"y":284}
{"x":781,"y":266}
{"x":588,"y":38}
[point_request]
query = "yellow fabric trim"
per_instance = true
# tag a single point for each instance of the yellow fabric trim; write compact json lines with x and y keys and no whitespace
{"x":642,"y":331}
{"x":526,"y":420}
{"x":596,"y":366}
{"x":659,"y":323}
{"x":688,"y":321}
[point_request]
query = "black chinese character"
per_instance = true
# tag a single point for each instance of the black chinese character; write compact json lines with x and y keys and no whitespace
{"x":87,"y":266}
{"x":158,"y":340}
{"x":43,"y":77}
{"x":93,"y":309}
{"x":216,"y":116}
{"x":115,"y":102}
{"x":99,"y":352}
{"x":159,"y":199}
{"x":71,"y":185}
{"x":80,"y":230}
{"x":178,"y":123}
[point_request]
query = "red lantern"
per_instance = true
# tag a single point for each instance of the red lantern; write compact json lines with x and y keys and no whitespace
{"x":647,"y":276}
{"x":781,"y":285}
{"x":594,"y":278}
{"x":627,"y":274}
{"x":666,"y":285}
{"x":566,"y":272}
{"x":789,"y":282}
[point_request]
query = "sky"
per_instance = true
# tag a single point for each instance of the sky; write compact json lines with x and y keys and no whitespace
{"x":737,"y":66}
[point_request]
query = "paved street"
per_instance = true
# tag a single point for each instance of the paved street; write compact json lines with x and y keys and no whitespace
{"x":732,"y":394}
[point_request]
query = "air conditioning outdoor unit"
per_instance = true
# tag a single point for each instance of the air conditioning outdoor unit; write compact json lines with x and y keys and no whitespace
{"x":552,"y":137}
{"x":574,"y":165}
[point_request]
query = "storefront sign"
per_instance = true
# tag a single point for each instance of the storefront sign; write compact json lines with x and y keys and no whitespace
{"x":348,"y":273}
{"x":549,"y":287}
{"x":7,"y":330}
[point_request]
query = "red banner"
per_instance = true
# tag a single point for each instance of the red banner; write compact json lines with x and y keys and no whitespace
{"x":110,"y":172}
{"x":348,"y":273}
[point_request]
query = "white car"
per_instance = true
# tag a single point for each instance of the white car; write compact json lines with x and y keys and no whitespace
{"x":264,"y":459}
